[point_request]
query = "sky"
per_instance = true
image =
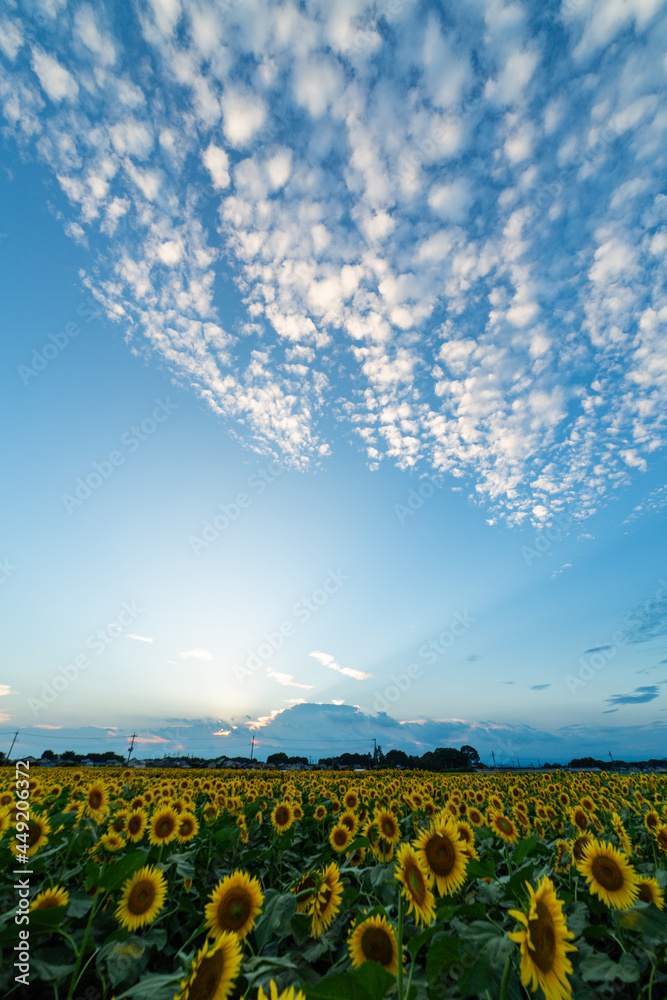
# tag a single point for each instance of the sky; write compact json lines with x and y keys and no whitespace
{"x":334,"y":377}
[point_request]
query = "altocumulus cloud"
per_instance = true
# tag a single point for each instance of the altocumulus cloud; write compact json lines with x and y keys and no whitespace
{"x":468,"y":273}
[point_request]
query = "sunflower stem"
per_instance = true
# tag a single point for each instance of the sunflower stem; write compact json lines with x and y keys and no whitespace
{"x":76,"y":975}
{"x":509,"y":860}
{"x":650,"y":981}
{"x":70,"y":841}
{"x":506,"y":978}
{"x":399,"y":941}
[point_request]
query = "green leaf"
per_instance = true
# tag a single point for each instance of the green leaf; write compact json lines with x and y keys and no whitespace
{"x":476,"y":910}
{"x":645,"y":919}
{"x":278,"y":912}
{"x":369,"y":982}
{"x":516,"y":887}
{"x":595,"y":932}
{"x":523,"y":849}
{"x":79,"y":904}
{"x":600,"y":968}
{"x":419,"y":940}
{"x":125,"y":959}
{"x":441,"y":956}
{"x":49,"y":971}
{"x":45,"y":921}
{"x":481,"y":869}
{"x":156,"y":987}
{"x":117,"y":872}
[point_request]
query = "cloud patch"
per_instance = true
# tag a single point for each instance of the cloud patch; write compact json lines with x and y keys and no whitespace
{"x":327,"y":660}
{"x":639,"y":696}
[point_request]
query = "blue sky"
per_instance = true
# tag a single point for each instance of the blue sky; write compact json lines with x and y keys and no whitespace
{"x":334,"y":376}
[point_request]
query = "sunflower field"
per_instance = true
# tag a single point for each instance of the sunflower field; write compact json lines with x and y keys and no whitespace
{"x":268,"y":885}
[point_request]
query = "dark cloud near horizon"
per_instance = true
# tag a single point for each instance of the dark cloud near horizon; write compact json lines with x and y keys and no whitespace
{"x":639,"y":696}
{"x":539,"y":687}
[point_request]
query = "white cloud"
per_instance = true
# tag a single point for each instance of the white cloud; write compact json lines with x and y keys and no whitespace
{"x":170,"y":252}
{"x":197,"y":654}
{"x":243,"y":115}
{"x":140,"y":638}
{"x":286,"y":679}
{"x":5,"y":689}
{"x":451,"y":201}
{"x":216,"y":162}
{"x":93,"y":38}
{"x":11,"y":37}
{"x":330,"y":661}
{"x":57,"y":82}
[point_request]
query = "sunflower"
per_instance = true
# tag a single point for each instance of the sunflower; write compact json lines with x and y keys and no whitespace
{"x":383,"y":850}
{"x":39,"y":829}
{"x":578,"y":818}
{"x":467,"y":835}
{"x":621,"y":833}
{"x":339,"y":838}
{"x":504,"y":827}
{"x":651,"y":820}
{"x":351,"y":821}
{"x":163,"y":826}
{"x":288,"y":994}
{"x":136,"y":825}
{"x":443,"y":855}
{"x":214,"y":970}
{"x":234,"y":905}
{"x":188,"y":827}
{"x":412,"y":874}
{"x":578,"y":846}
{"x":320,"y":813}
{"x":351,"y":799}
{"x":544,"y":943}
{"x":112,"y":842}
{"x":388,"y":827}
{"x":609,"y":875}
{"x":475,"y":817}
{"x":50,"y":898}
{"x":660,"y":834}
{"x":96,"y":801}
{"x":304,"y":891}
{"x":118,"y":822}
{"x":374,"y":940}
{"x":326,"y":903}
{"x":142,"y":898}
{"x":649,"y":891}
{"x":282,"y":817}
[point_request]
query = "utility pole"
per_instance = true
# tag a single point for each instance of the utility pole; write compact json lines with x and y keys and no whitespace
{"x":131,"y":747}
{"x":494,"y":758}
{"x":12,"y":746}
{"x":252,"y":748}
{"x":610,"y":756}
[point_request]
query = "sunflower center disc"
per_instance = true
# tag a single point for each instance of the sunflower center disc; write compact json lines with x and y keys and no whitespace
{"x":376,"y":946}
{"x":416,"y":884}
{"x":608,"y":874}
{"x":141,"y":898}
{"x":543,"y":937}
{"x":236,"y":911}
{"x":440,"y":854}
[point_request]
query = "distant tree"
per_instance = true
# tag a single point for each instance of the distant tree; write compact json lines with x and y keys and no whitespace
{"x":396,"y":758}
{"x":277,"y":758}
{"x":48,"y":755}
{"x":471,"y":754}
